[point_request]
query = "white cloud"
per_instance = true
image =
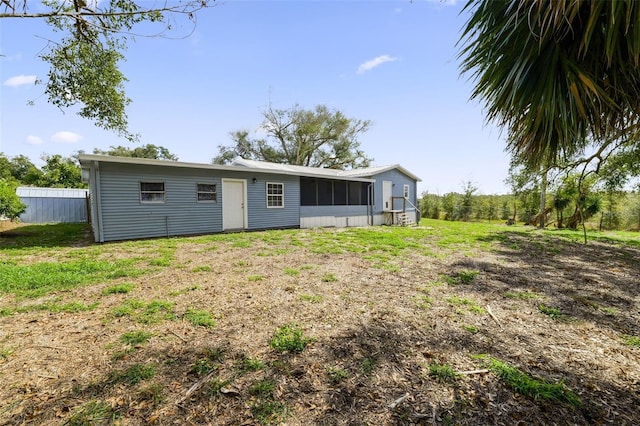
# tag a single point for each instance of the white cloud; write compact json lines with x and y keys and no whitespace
{"x":66,"y":137}
{"x":34,"y":140}
{"x":375,"y":62}
{"x":20,"y":80}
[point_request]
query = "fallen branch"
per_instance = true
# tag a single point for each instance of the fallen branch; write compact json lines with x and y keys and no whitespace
{"x":197,"y":385}
{"x":178,"y":336}
{"x":398,"y":401}
{"x":493,"y":317}
{"x":481,"y":371}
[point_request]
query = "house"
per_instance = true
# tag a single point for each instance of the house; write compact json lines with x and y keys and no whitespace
{"x":142,"y":198}
{"x":53,"y":205}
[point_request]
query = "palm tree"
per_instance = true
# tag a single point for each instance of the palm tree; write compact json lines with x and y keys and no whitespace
{"x":558,"y":74}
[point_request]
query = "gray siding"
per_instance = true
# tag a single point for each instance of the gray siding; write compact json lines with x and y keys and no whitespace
{"x":261,"y":217}
{"x":123,"y":216}
{"x":54,"y":210}
{"x":399,"y":179}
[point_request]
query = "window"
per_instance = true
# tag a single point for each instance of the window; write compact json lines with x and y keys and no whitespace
{"x":405,"y":191}
{"x":308,"y":192}
{"x":275,"y":195}
{"x":339,"y":193}
{"x":207,"y":192}
{"x":152,"y":192}
{"x":325,"y":192}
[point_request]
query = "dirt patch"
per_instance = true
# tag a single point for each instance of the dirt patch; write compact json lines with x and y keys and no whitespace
{"x":375,"y":331}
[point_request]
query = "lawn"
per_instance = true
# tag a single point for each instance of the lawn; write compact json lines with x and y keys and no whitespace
{"x":444,"y":323}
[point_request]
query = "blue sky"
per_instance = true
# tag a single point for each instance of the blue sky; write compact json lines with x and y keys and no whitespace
{"x":392,"y":62}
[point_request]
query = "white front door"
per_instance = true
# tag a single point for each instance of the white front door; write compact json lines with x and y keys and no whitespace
{"x":387,"y":192}
{"x":233,"y":204}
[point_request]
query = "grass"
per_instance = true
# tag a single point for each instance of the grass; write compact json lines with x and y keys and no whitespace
{"x":537,"y":389}
{"x":199,"y":318}
{"x":123,"y":288}
{"x":461,"y":277}
{"x":337,"y":375}
{"x":6,"y":352}
{"x":551,"y":312}
{"x":54,"y":307}
{"x":329,"y":278}
{"x":269,"y":411}
{"x":292,"y":272}
{"x":262,"y":388}
{"x":134,"y":374}
{"x":442,"y":372}
{"x":145,"y":313}
{"x":289,"y":338}
{"x":93,"y":413}
{"x":134,"y":338}
{"x":470,"y":304}
{"x":254,"y":278}
{"x":368,"y":365}
{"x":42,"y":278}
{"x":249,"y":364}
{"x":632,"y":341}
{"x":313,"y":298}
{"x":46,"y":236}
{"x":471,"y":328}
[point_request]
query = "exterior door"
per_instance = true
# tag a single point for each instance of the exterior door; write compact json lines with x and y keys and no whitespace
{"x":387,"y":192}
{"x":233,"y":204}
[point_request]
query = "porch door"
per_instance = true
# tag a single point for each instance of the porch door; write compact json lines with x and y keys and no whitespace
{"x":233,"y":204}
{"x":387,"y":192}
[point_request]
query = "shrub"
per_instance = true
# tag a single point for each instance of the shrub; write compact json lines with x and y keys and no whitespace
{"x":11,"y":206}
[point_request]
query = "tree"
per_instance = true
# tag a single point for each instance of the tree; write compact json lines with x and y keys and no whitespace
{"x":24,"y":171}
{"x":144,"y":151}
{"x":11,"y":206}
{"x":558,"y":74}
{"x":467,"y":201}
{"x":316,"y":138}
{"x":83,"y":61}
{"x":60,"y":172}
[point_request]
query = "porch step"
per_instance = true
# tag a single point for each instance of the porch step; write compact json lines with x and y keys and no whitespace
{"x":405,"y":220}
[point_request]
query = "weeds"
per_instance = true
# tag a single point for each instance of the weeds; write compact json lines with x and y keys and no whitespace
{"x":118,"y":289}
{"x":537,"y":389}
{"x":553,"y":313}
{"x":313,"y":298}
{"x":269,"y":411}
{"x":249,"y":364}
{"x":263,"y":388}
{"x":93,"y":412}
{"x":289,"y":338}
{"x":199,"y":318}
{"x":521,"y":295}
{"x":291,"y":272}
{"x":145,"y":313}
{"x":134,"y":338}
{"x":337,"y":374}
{"x":329,"y":278}
{"x":460,"y":277}
{"x":134,"y":374}
{"x":632,"y":341}
{"x":442,"y":372}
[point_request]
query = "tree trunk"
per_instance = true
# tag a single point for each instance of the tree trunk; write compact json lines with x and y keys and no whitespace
{"x":543,"y":198}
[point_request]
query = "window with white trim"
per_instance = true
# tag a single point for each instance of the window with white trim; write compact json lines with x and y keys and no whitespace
{"x":405,"y":191}
{"x":207,"y":192}
{"x":152,"y":192}
{"x":275,"y":195}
